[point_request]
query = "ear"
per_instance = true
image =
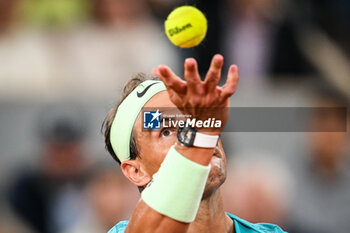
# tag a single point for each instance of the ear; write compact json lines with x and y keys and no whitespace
{"x":133,"y":170}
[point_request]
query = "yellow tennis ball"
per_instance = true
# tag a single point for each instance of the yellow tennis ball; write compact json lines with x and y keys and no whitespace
{"x":186,"y":26}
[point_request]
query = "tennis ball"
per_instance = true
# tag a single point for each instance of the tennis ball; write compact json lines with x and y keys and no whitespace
{"x":186,"y":26}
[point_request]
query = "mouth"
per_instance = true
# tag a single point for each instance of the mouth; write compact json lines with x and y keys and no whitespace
{"x":217,"y":170}
{"x":216,"y":161}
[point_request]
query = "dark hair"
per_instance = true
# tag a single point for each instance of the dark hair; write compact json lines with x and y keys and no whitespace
{"x":107,"y":123}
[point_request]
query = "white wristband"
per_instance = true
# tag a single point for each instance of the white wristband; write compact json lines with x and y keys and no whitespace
{"x":205,"y":140}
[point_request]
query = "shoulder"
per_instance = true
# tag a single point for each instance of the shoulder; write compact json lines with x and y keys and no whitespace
{"x":243,"y":226}
{"x":119,"y":228}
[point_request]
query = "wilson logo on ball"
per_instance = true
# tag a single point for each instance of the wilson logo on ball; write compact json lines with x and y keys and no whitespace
{"x":186,"y":26}
{"x":176,"y":30}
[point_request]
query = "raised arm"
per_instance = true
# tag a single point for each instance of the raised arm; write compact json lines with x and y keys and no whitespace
{"x":190,"y":95}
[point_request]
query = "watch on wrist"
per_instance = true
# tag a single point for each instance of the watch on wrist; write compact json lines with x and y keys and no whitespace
{"x":189,"y":136}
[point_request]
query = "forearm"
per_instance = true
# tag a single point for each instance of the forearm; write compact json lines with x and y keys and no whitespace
{"x":198,"y":155}
{"x":161,"y":210}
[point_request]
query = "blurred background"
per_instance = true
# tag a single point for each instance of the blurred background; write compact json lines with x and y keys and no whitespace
{"x":63,"y":64}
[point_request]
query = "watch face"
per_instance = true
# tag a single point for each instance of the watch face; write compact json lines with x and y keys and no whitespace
{"x":186,"y":135}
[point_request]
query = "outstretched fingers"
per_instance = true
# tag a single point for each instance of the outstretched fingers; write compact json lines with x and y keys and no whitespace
{"x":192,"y":77}
{"x":171,"y":80}
{"x":231,"y":83}
{"x":214,"y":73}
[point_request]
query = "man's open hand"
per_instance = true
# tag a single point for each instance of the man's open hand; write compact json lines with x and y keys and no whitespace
{"x":192,"y":95}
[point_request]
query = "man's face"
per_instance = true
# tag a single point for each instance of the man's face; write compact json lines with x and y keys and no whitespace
{"x":154,"y":145}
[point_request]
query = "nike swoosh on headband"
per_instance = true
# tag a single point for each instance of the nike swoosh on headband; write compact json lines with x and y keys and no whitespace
{"x":140,"y":94}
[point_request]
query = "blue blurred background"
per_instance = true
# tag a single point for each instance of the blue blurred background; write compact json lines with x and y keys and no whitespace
{"x":63,"y":64}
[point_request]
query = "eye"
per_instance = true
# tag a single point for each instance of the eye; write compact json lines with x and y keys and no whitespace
{"x":166,"y":132}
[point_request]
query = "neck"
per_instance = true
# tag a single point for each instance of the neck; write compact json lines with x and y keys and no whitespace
{"x":211,"y":217}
